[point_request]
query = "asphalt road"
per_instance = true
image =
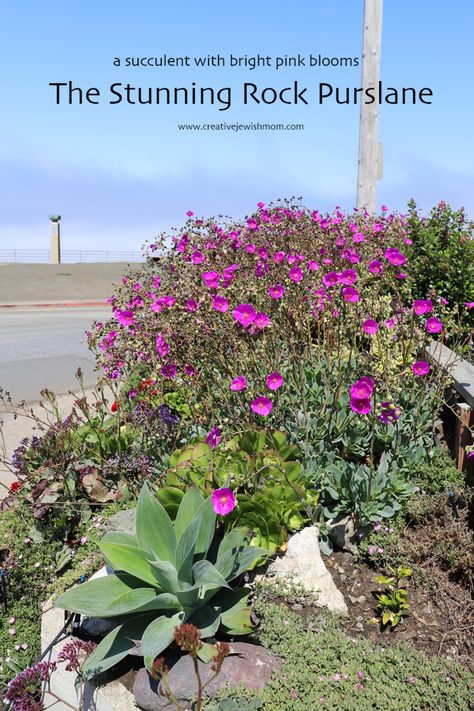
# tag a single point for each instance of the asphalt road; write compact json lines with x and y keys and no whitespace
{"x":42,"y":348}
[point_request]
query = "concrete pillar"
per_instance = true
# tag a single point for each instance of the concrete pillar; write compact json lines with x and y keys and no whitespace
{"x":55,"y":252}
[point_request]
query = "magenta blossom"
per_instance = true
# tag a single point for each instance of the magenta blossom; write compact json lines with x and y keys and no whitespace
{"x":296,"y":274}
{"x":238,"y":383}
{"x":389,"y":413}
{"x":169,"y":370}
{"x":278,"y":257}
{"x":312,"y":265}
{"x":197,"y":257}
{"x":421,"y":368}
{"x":191,"y":305}
{"x":362,"y":388}
{"x":395,"y":257}
{"x":422,"y":306}
{"x":370,"y":327}
{"x":330,"y":279}
{"x":162,"y":346}
{"x":262,"y":406}
{"x":274,"y":381}
{"x":214,"y":437}
{"x":350,"y":294}
{"x":219,"y":303}
{"x":348,"y":277}
{"x":434,"y":325}
{"x":223,"y":501}
{"x":469,"y":304}
{"x":211,"y":279}
{"x":376,"y":267}
{"x":261,"y":320}
{"x":276,"y":291}
{"x":244,"y":314}
{"x":125,"y":318}
{"x":361,"y":405}
{"x":252,"y":224}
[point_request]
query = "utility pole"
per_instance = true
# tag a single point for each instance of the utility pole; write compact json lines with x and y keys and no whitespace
{"x":370,"y":150}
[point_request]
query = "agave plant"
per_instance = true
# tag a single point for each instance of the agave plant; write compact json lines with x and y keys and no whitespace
{"x":170,"y":572}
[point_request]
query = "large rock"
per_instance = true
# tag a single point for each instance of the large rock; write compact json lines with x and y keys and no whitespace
{"x":302,"y":564}
{"x":249,"y":664}
{"x":123,"y":521}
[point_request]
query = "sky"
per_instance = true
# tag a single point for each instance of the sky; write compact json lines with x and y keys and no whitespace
{"x":120,"y":174}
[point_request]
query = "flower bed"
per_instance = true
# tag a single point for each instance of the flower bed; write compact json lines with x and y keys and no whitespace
{"x":267,"y":375}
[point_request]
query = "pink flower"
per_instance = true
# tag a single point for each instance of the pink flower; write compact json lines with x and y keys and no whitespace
{"x":262,"y":406}
{"x":360,"y":405}
{"x":276,"y":291}
{"x":312,"y":265}
{"x":371,"y":551}
{"x":190,"y":213}
{"x":296,"y":274}
{"x":274,"y":381}
{"x":250,"y":248}
{"x":370,"y":327}
{"x":223,"y":501}
{"x":169,"y":370}
{"x":189,"y":370}
{"x":358,"y":237}
{"x":211,"y":279}
{"x":360,"y":674}
{"x":244,"y":314}
{"x":348,"y":277}
{"x":197,"y":257}
{"x":469,"y":304}
{"x":421,"y":368}
{"x":219,"y":303}
{"x":362,"y":388}
{"x":422,"y":306}
{"x":350,"y":294}
{"x":330,"y":279}
{"x":214,"y":437}
{"x":191,"y":305}
{"x":162,"y":347}
{"x":261,"y":320}
{"x":434,"y":325}
{"x":389,"y":413}
{"x":238,"y":383}
{"x":376,"y":267}
{"x":278,"y":257}
{"x":252,"y":224}
{"x":395,"y":257}
{"x":125,"y":318}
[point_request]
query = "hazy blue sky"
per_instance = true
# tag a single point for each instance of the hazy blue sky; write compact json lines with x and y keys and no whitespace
{"x":120,"y":174}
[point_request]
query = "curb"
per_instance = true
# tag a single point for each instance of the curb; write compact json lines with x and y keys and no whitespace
{"x":55,"y":305}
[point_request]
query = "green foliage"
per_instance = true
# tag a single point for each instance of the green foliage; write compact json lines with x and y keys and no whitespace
{"x":263,"y":471}
{"x":315,"y":660}
{"x":356,"y":489}
{"x":438,"y":474}
{"x":165,"y":575}
{"x":392,"y":604}
{"x":442,"y":261}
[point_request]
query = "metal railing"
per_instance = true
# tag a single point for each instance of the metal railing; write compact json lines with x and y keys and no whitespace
{"x":68,"y":256}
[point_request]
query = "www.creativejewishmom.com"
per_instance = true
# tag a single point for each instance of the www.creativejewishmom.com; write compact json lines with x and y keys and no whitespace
{"x":68,"y":93}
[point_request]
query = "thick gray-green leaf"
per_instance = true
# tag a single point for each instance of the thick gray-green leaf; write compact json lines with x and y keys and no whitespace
{"x":93,"y":597}
{"x":184,"y":555}
{"x":154,"y":528}
{"x":142,"y":600}
{"x":116,"y":646}
{"x":189,"y":506}
{"x":205,"y":574}
{"x":158,"y":635}
{"x":234,"y":539}
{"x":167,"y":575}
{"x":127,"y":539}
{"x":236,"y":560}
{"x":129,"y":559}
{"x":207,"y":619}
{"x":207,"y":530}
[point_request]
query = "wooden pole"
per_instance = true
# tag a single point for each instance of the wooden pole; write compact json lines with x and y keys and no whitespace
{"x":370,"y":154}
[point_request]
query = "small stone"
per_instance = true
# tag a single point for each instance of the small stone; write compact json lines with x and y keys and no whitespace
{"x":297,"y":606}
{"x":250,"y":665}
